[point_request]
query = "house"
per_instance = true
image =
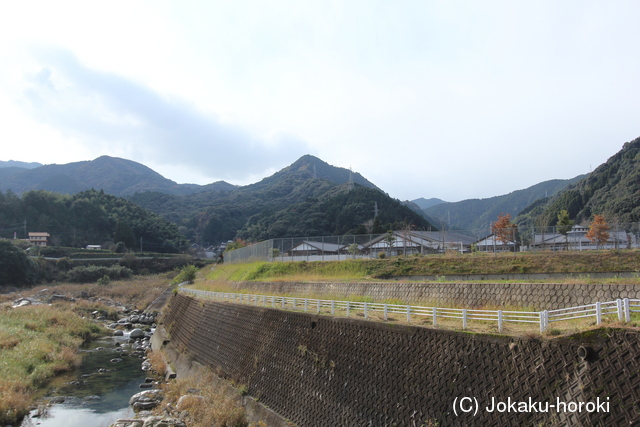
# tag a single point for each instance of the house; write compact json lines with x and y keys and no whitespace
{"x":94,"y":247}
{"x":577,"y":240}
{"x":493,"y":244}
{"x":418,"y":242}
{"x":309,"y":248}
{"x":37,"y":238}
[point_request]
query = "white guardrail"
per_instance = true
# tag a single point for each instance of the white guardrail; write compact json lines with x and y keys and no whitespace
{"x":622,"y":308}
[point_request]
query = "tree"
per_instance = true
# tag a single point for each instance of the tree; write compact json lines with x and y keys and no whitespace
{"x":598,"y":231}
{"x":15,"y":268}
{"x":504,"y":229}
{"x":389,"y":239}
{"x":353,"y":249}
{"x":124,"y":234}
{"x":564,"y":224}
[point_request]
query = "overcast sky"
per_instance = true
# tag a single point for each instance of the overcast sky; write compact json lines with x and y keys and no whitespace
{"x":448,"y":99}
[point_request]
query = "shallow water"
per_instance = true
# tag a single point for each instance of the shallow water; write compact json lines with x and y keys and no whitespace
{"x":98,"y":392}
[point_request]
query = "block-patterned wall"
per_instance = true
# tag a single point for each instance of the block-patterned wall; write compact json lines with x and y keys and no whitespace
{"x":323,"y":371}
{"x":537,"y":296}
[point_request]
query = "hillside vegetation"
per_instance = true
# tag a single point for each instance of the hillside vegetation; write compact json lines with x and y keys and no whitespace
{"x":612,"y":190}
{"x":308,"y":198}
{"x":476,"y":214}
{"x":89,"y":217}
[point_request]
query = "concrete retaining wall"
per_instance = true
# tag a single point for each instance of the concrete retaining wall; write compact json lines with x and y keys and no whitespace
{"x":536,"y":296}
{"x":323,"y":371}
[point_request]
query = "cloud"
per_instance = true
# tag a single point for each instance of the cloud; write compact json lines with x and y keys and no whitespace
{"x":118,"y":116}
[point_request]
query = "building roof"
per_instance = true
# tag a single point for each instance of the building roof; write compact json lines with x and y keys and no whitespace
{"x":309,"y":245}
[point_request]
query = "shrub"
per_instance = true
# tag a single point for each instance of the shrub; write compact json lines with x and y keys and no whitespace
{"x":15,"y":268}
{"x":187,"y":274}
{"x":93,"y":273}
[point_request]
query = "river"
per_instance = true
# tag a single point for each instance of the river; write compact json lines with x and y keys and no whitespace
{"x":98,"y":392}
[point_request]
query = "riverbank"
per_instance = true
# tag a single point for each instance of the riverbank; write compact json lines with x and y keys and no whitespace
{"x":42,"y":330}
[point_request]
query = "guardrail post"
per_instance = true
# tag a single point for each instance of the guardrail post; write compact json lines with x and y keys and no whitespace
{"x":408,"y":314}
{"x":264,"y":300}
{"x":464,"y":318}
{"x":306,"y":304}
{"x":366,"y":313}
{"x":348,"y":308}
{"x":627,"y":310}
{"x":598,"y":313}
{"x":499,"y":320}
{"x":544,"y":319}
{"x":282,"y":302}
{"x":386,"y":312}
{"x":333,"y":307}
{"x":435,"y":316}
{"x":318,"y":309}
{"x":620,"y":311}
{"x":294,"y":303}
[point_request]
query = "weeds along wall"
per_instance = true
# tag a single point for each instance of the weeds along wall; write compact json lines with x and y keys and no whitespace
{"x":322,"y":371}
{"x":537,"y":296}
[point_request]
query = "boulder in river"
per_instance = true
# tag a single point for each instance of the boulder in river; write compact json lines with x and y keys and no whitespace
{"x":136,"y":333}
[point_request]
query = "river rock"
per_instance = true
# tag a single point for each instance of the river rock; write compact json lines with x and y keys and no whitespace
{"x":188,"y":400}
{"x":127,"y":423}
{"x":145,"y":400}
{"x":136,"y":333}
{"x":163,"y":422}
{"x":118,"y":333}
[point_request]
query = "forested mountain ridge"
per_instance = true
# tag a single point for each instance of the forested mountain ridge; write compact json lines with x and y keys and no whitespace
{"x":475,"y":214}
{"x":119,"y":177}
{"x":307,"y":198}
{"x":423,"y":203}
{"x":89,"y":217}
{"x":612,"y":190}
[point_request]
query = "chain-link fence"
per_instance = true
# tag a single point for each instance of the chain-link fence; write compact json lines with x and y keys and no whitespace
{"x":408,"y":242}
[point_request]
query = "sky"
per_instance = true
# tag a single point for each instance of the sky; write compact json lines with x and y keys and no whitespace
{"x":449,"y":99}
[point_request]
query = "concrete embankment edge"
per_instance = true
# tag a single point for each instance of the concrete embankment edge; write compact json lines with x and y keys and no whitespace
{"x":328,"y":372}
{"x":182,"y":365}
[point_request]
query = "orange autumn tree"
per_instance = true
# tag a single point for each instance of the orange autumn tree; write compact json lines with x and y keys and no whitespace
{"x":504,"y":229}
{"x":598,"y":231}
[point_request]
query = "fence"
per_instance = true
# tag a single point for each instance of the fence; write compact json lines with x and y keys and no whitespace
{"x":620,"y":308}
{"x":407,"y":242}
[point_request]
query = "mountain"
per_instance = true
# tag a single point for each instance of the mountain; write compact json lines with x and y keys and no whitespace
{"x":427,"y":203}
{"x":20,"y":165}
{"x":475,"y":214}
{"x":612,"y":190}
{"x":307,"y":198}
{"x":115,"y":176}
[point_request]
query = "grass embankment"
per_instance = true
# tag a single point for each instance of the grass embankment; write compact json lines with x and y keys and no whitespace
{"x":38,"y":342}
{"x":581,"y":263}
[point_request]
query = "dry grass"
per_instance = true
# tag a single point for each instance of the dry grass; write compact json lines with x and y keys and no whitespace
{"x":157,"y":361}
{"x":207,"y":405}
